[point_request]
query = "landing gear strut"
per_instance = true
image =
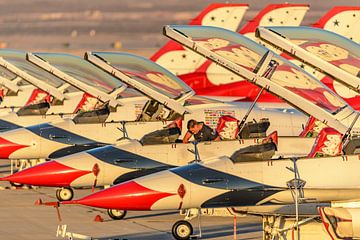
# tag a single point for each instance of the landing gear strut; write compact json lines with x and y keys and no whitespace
{"x":182,"y":230}
{"x":116,"y":214}
{"x":64,"y":194}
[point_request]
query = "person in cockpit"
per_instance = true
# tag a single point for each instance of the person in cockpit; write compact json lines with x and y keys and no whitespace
{"x":200,"y":131}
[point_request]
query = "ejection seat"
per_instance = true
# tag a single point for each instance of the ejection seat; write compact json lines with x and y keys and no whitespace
{"x":170,"y":134}
{"x":260,"y":152}
{"x":228,"y":128}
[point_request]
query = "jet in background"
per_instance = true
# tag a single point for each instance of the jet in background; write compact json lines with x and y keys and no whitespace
{"x":224,"y":83}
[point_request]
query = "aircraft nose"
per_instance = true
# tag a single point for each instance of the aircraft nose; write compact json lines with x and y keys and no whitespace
{"x":8,"y":147}
{"x":125,"y":196}
{"x":51,"y":174}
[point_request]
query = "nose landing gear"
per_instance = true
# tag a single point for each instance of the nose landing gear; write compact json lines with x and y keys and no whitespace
{"x":64,"y":194}
{"x":182,"y":230}
{"x":116,"y":214}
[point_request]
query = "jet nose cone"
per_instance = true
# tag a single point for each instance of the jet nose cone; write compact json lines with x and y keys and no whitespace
{"x":126,"y":196}
{"x":7,"y":148}
{"x":51,"y":174}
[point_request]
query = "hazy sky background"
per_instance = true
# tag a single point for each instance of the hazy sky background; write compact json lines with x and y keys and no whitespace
{"x":77,"y":25}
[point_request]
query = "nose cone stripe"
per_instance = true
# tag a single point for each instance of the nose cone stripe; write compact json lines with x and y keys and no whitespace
{"x":7,"y":148}
{"x":126,"y":196}
{"x":51,"y":174}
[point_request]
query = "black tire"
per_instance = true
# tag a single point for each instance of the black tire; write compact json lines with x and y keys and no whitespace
{"x":116,"y":214}
{"x":182,"y":230}
{"x":64,"y":194}
{"x":14,"y":184}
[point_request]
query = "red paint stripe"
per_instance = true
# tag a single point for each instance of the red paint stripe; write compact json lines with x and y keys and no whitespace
{"x":126,"y":196}
{"x":326,"y":225}
{"x":51,"y":174}
{"x":7,"y":148}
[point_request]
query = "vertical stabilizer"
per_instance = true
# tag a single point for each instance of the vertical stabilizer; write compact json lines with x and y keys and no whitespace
{"x":343,"y":20}
{"x":179,"y":60}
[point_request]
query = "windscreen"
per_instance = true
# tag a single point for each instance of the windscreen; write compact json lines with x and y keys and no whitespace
{"x":147,"y":73}
{"x":18,"y":59}
{"x":328,"y":46}
{"x":246,"y":53}
{"x":81,"y":70}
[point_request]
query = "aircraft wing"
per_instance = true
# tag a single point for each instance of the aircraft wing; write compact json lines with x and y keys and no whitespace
{"x":80,"y":74}
{"x":15,"y":62}
{"x":242,"y":56}
{"x":333,"y":54}
{"x":145,"y":76}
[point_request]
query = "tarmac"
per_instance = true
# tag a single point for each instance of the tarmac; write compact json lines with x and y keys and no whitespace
{"x":22,"y":219}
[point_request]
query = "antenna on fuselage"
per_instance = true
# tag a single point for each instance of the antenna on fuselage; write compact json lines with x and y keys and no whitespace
{"x":195,"y":151}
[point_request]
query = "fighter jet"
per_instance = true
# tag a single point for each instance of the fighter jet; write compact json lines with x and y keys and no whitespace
{"x":241,"y":179}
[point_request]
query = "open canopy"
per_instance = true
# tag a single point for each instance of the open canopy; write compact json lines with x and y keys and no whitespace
{"x":14,"y":63}
{"x":81,"y":74}
{"x":145,"y":76}
{"x":244,"y":57}
{"x":331,"y":53}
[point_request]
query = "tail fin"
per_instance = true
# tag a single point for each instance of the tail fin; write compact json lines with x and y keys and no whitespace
{"x":328,"y":143}
{"x":179,"y":60}
{"x":343,"y":20}
{"x":277,"y":15}
{"x":216,"y":81}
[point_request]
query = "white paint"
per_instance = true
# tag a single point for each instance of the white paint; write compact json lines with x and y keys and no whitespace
{"x":345,"y":24}
{"x":225,"y":17}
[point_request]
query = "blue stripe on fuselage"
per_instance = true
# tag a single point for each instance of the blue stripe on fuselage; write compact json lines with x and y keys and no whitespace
{"x":123,"y":158}
{"x":7,"y":126}
{"x":201,"y":175}
{"x":60,"y":135}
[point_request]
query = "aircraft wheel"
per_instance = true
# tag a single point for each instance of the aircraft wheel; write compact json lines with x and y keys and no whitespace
{"x":116,"y":214}
{"x":64,"y":194}
{"x":14,"y":184}
{"x":182,"y":230}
